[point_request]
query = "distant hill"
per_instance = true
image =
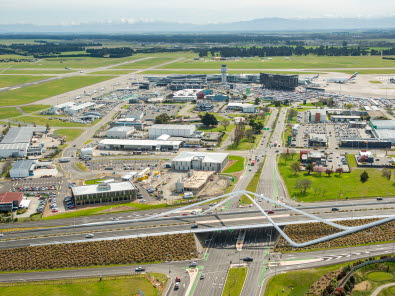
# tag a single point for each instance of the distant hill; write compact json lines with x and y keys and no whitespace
{"x":256,"y":25}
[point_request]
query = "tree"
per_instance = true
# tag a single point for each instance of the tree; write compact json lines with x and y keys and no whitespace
{"x":292,"y":113}
{"x":339,"y":171}
{"x":47,"y":127}
{"x":266,"y":109}
{"x":209,"y":120}
{"x":239,"y":134}
{"x":303,"y":185}
{"x":309,"y":168}
{"x":295,"y":166}
{"x":364,"y":177}
{"x":257,"y":101}
{"x":387,"y":174}
{"x":162,"y":119}
{"x":329,"y":172}
{"x":225,"y":123}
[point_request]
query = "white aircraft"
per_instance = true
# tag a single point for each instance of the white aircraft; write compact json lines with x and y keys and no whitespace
{"x":307,"y":80}
{"x":342,"y":79}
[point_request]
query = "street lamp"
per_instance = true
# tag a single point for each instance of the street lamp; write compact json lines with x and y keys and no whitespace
{"x":168,"y":259}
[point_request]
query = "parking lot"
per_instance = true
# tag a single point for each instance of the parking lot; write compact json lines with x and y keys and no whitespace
{"x":152,"y":111}
{"x":123,"y":164}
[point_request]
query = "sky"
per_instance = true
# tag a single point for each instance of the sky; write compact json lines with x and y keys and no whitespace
{"x":55,"y":12}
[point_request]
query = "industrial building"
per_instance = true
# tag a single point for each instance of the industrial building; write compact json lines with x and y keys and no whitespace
{"x":318,"y":115}
{"x":16,"y":143}
{"x":139,"y":145}
{"x":365,"y":143}
{"x":200,"y":161}
{"x":23,"y":168}
{"x":137,"y":124}
{"x":318,"y":140}
{"x":120,"y":132}
{"x":382,"y":124}
{"x":173,"y":130}
{"x":135,"y":114}
{"x":10,"y":201}
{"x":104,"y":192}
{"x":383,"y":129}
{"x":77,"y":108}
{"x":279,"y":81}
{"x":345,"y":118}
{"x":245,"y":108}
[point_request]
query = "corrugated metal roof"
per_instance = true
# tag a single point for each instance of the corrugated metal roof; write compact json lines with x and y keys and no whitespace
{"x":92,"y":189}
{"x":21,"y":134}
{"x":207,"y":157}
{"x":23,"y":164}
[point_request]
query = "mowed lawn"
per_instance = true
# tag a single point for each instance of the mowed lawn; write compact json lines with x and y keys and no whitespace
{"x":41,"y":91}
{"x":34,"y":108}
{"x":237,"y":166}
{"x":9,"y":112}
{"x":295,"y":62}
{"x":43,"y":120}
{"x":346,"y":185}
{"x":235,"y":281}
{"x":107,"y":287}
{"x":69,"y":133}
{"x":10,"y":80}
{"x":146,"y":63}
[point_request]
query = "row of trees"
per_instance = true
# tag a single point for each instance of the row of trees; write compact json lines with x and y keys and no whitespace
{"x":270,"y":51}
{"x":116,"y":52}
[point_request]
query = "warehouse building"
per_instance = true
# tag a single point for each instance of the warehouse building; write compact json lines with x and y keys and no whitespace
{"x":139,"y":145}
{"x":382,"y":124}
{"x":200,"y":161}
{"x":23,"y":168}
{"x":137,"y":124}
{"x":245,"y":108}
{"x":120,"y":132}
{"x":10,"y":201}
{"x":383,"y":129}
{"x":16,"y":142}
{"x":172,"y":130}
{"x":104,"y":192}
{"x":345,"y":118}
{"x":75,"y":109}
{"x":135,"y":114}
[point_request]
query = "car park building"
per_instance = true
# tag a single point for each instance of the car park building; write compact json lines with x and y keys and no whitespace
{"x":23,"y":168}
{"x":173,"y":130}
{"x":104,"y":192}
{"x":139,"y":145}
{"x":10,"y":201}
{"x":201,"y":161}
{"x":120,"y":132}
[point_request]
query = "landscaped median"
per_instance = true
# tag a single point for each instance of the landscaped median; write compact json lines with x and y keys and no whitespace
{"x":235,"y":281}
{"x":253,"y":185}
{"x":236,"y":166}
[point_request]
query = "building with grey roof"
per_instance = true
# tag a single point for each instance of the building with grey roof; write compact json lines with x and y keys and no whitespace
{"x":382,"y":124}
{"x":201,"y":161}
{"x":23,"y":168}
{"x":120,"y":132}
{"x":104,"y":192}
{"x":139,"y":145}
{"x":173,"y":130}
{"x":21,"y":134}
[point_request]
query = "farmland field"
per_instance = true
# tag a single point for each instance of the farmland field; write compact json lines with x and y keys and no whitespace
{"x":41,"y":91}
{"x":117,"y":286}
{"x":10,"y":80}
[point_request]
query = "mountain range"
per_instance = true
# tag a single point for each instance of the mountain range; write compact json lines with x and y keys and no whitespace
{"x":256,"y":25}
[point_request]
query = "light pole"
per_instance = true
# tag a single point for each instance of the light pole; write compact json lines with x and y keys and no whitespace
{"x":168,"y":259}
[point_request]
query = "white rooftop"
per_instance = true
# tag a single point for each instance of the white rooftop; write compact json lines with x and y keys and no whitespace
{"x":173,"y":126}
{"x":139,"y":142}
{"x":207,"y":157}
{"x":93,"y":189}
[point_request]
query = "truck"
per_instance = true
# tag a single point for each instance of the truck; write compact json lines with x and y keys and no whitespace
{"x":64,"y":159}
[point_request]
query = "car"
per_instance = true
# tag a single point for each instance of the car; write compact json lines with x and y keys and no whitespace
{"x":185,"y":214}
{"x":176,"y":286}
{"x":379,"y":198}
{"x":74,"y":145}
{"x":194,"y":226}
{"x":335,"y":209}
{"x":89,"y":235}
{"x":1,"y":235}
{"x":139,"y":269}
{"x":248,"y":259}
{"x":115,"y":219}
{"x":178,"y":279}
{"x":202,"y":277}
{"x":270,"y":212}
{"x":193,"y":264}
{"x":55,"y":210}
{"x":71,"y":207}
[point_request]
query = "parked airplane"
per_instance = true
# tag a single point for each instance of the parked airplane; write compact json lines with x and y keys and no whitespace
{"x":342,"y":79}
{"x":67,"y":68}
{"x":308,"y":80}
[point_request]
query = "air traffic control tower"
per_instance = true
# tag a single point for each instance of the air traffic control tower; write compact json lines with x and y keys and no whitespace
{"x":224,"y":71}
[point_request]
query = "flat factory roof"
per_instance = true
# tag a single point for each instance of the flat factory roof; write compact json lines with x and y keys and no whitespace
{"x":173,"y":126}
{"x":93,"y":189}
{"x":207,"y":157}
{"x":139,"y":142}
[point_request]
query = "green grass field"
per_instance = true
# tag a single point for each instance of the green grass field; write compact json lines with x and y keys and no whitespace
{"x":388,"y":292}
{"x":75,"y":63}
{"x":237,"y":166}
{"x":146,"y":63}
{"x":301,"y":280}
{"x":10,"y":80}
{"x":41,"y":91}
{"x":92,"y":182}
{"x":379,"y":71}
{"x":34,"y":108}
{"x":235,"y":281}
{"x":375,"y":82}
{"x":347,"y":185}
{"x":44,"y":120}
{"x":114,"y":72}
{"x":296,"y":62}
{"x":70,"y":133}
{"x":34,"y":71}
{"x":9,"y":112}
{"x":95,"y":211}
{"x":117,"y":286}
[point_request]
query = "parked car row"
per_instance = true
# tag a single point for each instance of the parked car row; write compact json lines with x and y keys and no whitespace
{"x":69,"y":202}
{"x":36,"y":188}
